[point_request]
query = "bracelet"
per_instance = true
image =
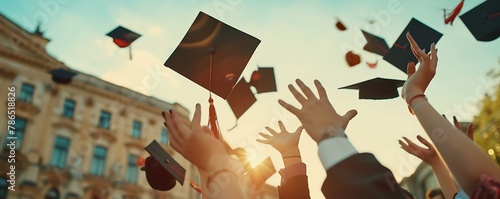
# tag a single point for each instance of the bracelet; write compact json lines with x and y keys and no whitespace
{"x":411,"y":100}
{"x":210,"y":178}
{"x":292,"y":156}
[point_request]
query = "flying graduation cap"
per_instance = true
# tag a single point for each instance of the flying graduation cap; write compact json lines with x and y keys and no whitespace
{"x":62,"y":76}
{"x":400,"y":53}
{"x":377,"y":88}
{"x":123,"y":37}
{"x":242,"y":97}
{"x":263,"y":80}
{"x":375,"y":44}
{"x":161,"y":169}
{"x":450,"y":17}
{"x":340,"y":25}
{"x":213,"y":54}
{"x":483,"y":21}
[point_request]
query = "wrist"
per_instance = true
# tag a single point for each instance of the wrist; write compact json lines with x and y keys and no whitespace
{"x":291,"y":152}
{"x":410,"y":95}
{"x":331,"y":132}
{"x":217,"y":163}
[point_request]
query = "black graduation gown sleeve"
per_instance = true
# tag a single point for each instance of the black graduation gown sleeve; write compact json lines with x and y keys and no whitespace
{"x":295,"y":188}
{"x":360,"y":176}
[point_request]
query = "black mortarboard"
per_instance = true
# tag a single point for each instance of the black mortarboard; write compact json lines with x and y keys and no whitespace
{"x":241,"y":98}
{"x":262,"y":172}
{"x":375,"y":44}
{"x":377,"y":88}
{"x":162,"y":178}
{"x":483,"y":21}
{"x":400,"y":53}
{"x":62,"y":76}
{"x":352,"y":59}
{"x":263,"y":80}
{"x":123,"y":37}
{"x":233,"y":49}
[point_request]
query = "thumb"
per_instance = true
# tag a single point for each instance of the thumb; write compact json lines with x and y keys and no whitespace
{"x":350,"y":114}
{"x":299,"y":130}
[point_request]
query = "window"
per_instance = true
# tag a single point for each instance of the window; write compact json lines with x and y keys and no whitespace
{"x":104,"y":120}
{"x":52,"y":194}
{"x":164,"y":136}
{"x":17,"y":134}
{"x":98,"y":161}
{"x":136,"y":129}
{"x":132,"y":170}
{"x":3,"y":188}
{"x":60,"y":152}
{"x":68,"y":108}
{"x":26,"y":94}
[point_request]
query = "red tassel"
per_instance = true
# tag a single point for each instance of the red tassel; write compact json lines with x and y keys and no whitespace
{"x":451,"y":17}
{"x":213,"y":124}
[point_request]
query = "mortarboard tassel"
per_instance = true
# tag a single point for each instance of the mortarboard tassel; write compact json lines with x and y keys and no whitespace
{"x":213,"y":124}
{"x":130,"y":51}
{"x":372,"y":65}
{"x":451,"y":16}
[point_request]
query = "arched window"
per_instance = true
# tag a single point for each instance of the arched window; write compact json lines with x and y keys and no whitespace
{"x":52,"y":194}
{"x":3,"y":188}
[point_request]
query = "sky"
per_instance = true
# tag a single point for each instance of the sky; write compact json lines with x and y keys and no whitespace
{"x":299,"y":39}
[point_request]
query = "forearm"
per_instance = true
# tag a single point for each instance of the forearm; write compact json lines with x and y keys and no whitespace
{"x":291,"y":157}
{"x":444,"y":178}
{"x":221,"y":182}
{"x":449,"y":141}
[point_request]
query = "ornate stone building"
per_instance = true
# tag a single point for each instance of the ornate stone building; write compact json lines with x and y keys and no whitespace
{"x":76,"y":140}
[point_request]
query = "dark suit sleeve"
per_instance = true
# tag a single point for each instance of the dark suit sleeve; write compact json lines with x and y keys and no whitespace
{"x":360,"y":176}
{"x":295,"y":188}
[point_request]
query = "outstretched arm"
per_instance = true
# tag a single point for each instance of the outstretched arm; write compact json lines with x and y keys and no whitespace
{"x":431,"y":157}
{"x":196,"y":144}
{"x":472,"y":163}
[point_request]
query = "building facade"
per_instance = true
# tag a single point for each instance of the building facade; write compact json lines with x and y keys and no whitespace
{"x":76,"y":140}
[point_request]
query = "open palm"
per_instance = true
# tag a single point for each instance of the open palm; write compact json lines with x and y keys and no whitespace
{"x":283,"y":141}
{"x":428,"y":155}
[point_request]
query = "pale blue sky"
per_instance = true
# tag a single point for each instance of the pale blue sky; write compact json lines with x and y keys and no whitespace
{"x":298,"y":39}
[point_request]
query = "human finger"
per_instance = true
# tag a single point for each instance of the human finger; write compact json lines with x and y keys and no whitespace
{"x":265,"y":135}
{"x":195,"y":122}
{"x":425,"y":142}
{"x":272,"y":131}
{"x":289,"y":107}
{"x":305,"y":89}
{"x":457,"y":124}
{"x":282,"y":127}
{"x":410,"y":69}
{"x":321,"y":90}
{"x":296,"y":94}
{"x":264,"y":141}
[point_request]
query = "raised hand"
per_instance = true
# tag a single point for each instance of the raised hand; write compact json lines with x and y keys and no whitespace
{"x":195,"y":143}
{"x":418,"y":80}
{"x":285,"y":142}
{"x":428,"y":155}
{"x":317,"y":114}
{"x":470,"y":128}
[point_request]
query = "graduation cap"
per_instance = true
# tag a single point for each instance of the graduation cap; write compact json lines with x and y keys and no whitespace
{"x":62,"y":76}
{"x":213,"y":54}
{"x":241,"y":98}
{"x":161,"y":169}
{"x":262,"y":172}
{"x":375,"y":44}
{"x":400,"y":53}
{"x":123,"y":37}
{"x":352,"y":59}
{"x":263,"y":80}
{"x":483,"y":21}
{"x":377,"y":88}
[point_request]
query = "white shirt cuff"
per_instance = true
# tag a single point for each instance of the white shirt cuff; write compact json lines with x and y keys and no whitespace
{"x":333,"y":150}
